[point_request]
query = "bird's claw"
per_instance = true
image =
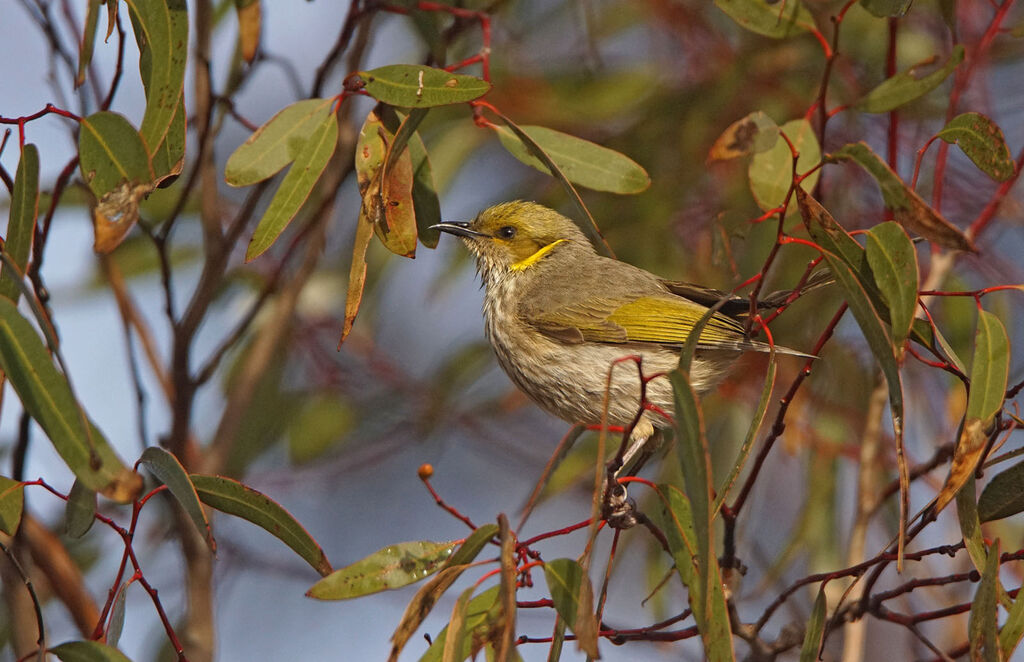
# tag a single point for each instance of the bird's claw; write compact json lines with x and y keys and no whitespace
{"x":619,"y":510}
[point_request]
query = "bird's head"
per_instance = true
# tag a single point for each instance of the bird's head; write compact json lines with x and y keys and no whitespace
{"x":517,"y":236}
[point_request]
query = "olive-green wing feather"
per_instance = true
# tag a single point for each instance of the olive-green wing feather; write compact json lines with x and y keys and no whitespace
{"x":663,"y":320}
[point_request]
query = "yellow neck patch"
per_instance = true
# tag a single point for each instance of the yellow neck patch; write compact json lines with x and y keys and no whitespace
{"x":526,"y":263}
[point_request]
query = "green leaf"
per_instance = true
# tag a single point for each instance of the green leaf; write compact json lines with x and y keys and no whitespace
{"x":712,"y":614}
{"x":983,"y":624}
{"x":12,"y":503}
{"x":231,"y":497}
{"x":116,"y":623}
{"x":982,"y":141}
{"x":310,"y":162}
{"x":823,"y":229}
{"x":989,"y":370}
{"x":424,"y":193}
{"x":322,"y":422}
{"x":967,"y":515}
{"x":80,"y":511}
{"x":581,"y":161}
{"x":391,"y":567}
{"x":677,"y":524}
{"x":1013,"y":628}
{"x":21,"y":222}
{"x":748,"y":442}
{"x":473,"y":545}
{"x":168,"y":470}
{"x":277,"y":143}
{"x":771,"y":172}
{"x":88,"y":651}
{"x":47,"y":397}
{"x":92,"y":15}
{"x":776,"y":20}
{"x":904,"y":87}
{"x":111,"y":152}
{"x":169,"y":158}
{"x":565,"y":579}
{"x":893,"y":262}
{"x":456,"y":629}
{"x":887,"y":8}
{"x":161,"y":28}
{"x":815,"y":629}
{"x":418,"y":86}
{"x":482,"y":613}
{"x":421,"y":604}
{"x":910,"y":210}
{"x":1003,"y":496}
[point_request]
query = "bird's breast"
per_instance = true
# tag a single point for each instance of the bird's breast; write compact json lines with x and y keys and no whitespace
{"x":570,"y":380}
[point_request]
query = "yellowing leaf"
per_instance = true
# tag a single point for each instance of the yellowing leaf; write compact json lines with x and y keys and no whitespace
{"x":753,"y":134}
{"x":249,"y":21}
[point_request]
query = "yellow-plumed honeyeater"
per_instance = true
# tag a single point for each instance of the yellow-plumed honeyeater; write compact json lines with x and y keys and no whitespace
{"x":558,"y":315}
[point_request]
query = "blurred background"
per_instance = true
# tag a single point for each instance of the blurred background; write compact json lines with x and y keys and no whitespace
{"x":336,"y":436}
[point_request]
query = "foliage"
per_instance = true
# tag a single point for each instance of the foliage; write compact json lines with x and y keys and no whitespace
{"x":755,"y":140}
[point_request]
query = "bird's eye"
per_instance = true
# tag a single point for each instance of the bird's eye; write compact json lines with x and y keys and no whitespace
{"x":506,"y":232}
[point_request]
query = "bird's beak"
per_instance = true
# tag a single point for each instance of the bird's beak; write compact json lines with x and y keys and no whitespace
{"x":458,"y":228}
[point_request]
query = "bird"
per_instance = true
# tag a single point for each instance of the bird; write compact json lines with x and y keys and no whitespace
{"x":559,"y":316}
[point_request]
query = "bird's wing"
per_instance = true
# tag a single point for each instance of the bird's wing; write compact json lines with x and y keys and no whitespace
{"x":656,"y":319}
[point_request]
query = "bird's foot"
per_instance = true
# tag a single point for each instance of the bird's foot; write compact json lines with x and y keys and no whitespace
{"x":619,"y":510}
